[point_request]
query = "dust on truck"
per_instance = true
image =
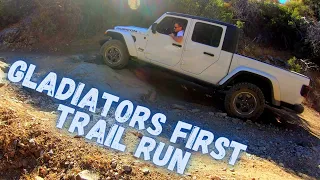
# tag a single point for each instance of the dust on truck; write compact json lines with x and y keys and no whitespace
{"x":207,"y":55}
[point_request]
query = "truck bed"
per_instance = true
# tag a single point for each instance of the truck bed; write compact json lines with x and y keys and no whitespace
{"x":290,"y":82}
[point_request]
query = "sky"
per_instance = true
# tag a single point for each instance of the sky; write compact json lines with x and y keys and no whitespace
{"x":282,"y":1}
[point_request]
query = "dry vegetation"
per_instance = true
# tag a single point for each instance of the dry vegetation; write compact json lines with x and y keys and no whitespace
{"x":313,"y":99}
{"x":31,"y":146}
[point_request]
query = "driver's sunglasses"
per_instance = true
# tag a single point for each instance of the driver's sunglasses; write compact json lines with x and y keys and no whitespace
{"x":176,"y":27}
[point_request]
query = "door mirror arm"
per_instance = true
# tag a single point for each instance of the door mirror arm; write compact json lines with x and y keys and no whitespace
{"x":154,"y":28}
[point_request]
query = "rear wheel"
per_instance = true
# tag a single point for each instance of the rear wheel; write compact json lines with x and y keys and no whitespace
{"x":115,"y":54}
{"x":245,"y":100}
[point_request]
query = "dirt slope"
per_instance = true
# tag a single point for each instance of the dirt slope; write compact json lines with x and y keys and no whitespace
{"x":279,"y":145}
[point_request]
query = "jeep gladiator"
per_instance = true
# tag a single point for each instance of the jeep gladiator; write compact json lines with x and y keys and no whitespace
{"x":208,"y":56}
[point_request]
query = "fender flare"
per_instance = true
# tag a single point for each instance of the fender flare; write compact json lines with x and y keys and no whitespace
{"x":127,"y":39}
{"x":276,"y":96}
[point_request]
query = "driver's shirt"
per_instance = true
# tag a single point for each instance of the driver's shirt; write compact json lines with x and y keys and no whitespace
{"x":180,"y":33}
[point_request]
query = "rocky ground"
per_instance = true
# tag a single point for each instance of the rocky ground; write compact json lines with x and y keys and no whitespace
{"x":280,"y":144}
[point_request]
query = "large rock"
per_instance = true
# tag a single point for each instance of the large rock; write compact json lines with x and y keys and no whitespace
{"x":87,"y":175}
{"x":3,"y":74}
{"x":195,"y":110}
{"x":9,"y":35}
{"x":220,"y":114}
{"x":153,"y":96}
{"x":179,"y":107}
{"x":145,"y":171}
{"x":113,"y":164}
{"x":38,"y":178}
{"x":127,"y":169}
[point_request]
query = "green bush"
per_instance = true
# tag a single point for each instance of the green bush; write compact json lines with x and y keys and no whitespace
{"x":294,"y":66}
{"x":215,"y":9}
{"x":240,"y":24}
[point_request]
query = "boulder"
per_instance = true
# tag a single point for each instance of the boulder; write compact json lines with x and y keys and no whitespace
{"x":87,"y":175}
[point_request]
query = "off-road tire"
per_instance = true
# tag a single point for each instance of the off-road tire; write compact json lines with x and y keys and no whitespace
{"x":124,"y":58}
{"x":234,"y":91}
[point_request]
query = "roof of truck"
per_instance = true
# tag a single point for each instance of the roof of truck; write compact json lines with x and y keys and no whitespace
{"x":203,"y":19}
{"x":230,"y":43}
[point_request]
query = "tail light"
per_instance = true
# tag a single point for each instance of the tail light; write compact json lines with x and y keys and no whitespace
{"x":305,"y":90}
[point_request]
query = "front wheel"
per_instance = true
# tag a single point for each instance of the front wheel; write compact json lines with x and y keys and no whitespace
{"x":245,"y":101}
{"x":115,"y":54}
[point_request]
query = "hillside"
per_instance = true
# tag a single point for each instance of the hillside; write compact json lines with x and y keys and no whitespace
{"x":63,"y":36}
{"x":280,"y":144}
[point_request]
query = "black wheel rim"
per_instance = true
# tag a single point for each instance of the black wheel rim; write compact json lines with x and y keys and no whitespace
{"x":113,"y":55}
{"x":245,"y":103}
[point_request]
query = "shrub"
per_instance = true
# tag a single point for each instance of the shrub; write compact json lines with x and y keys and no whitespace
{"x":9,"y":13}
{"x":1,"y":8}
{"x":240,"y":24}
{"x":294,"y":66}
{"x":52,"y":17}
{"x":215,"y":9}
{"x":314,"y":39}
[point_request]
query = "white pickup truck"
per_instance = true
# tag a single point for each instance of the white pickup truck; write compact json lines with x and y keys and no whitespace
{"x":207,"y":55}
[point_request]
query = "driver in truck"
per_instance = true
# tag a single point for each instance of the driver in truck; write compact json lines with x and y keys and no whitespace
{"x":180,"y":32}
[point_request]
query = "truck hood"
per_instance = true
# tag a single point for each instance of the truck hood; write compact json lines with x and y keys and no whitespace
{"x":132,"y":29}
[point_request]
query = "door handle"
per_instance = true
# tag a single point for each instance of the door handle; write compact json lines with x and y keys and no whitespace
{"x":209,"y":54}
{"x":178,"y":45}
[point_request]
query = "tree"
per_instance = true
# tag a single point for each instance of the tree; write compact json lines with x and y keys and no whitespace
{"x":313,"y":36}
{"x":315,"y":6}
{"x":215,"y":9}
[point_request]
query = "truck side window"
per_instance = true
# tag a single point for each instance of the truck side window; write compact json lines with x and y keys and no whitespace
{"x":167,"y":24}
{"x":207,"y":34}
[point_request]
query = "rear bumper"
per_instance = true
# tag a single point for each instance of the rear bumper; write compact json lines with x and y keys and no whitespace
{"x":297,"y":108}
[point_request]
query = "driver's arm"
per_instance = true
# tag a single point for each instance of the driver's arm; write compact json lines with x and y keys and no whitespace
{"x":177,"y":38}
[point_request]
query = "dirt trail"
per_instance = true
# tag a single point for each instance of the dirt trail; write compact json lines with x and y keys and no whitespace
{"x":280,"y":144}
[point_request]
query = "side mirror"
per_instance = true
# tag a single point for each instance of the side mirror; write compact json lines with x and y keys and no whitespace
{"x":154,"y":28}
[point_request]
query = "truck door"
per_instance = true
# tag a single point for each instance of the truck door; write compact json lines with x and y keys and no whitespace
{"x":203,"y":46}
{"x":161,"y":48}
